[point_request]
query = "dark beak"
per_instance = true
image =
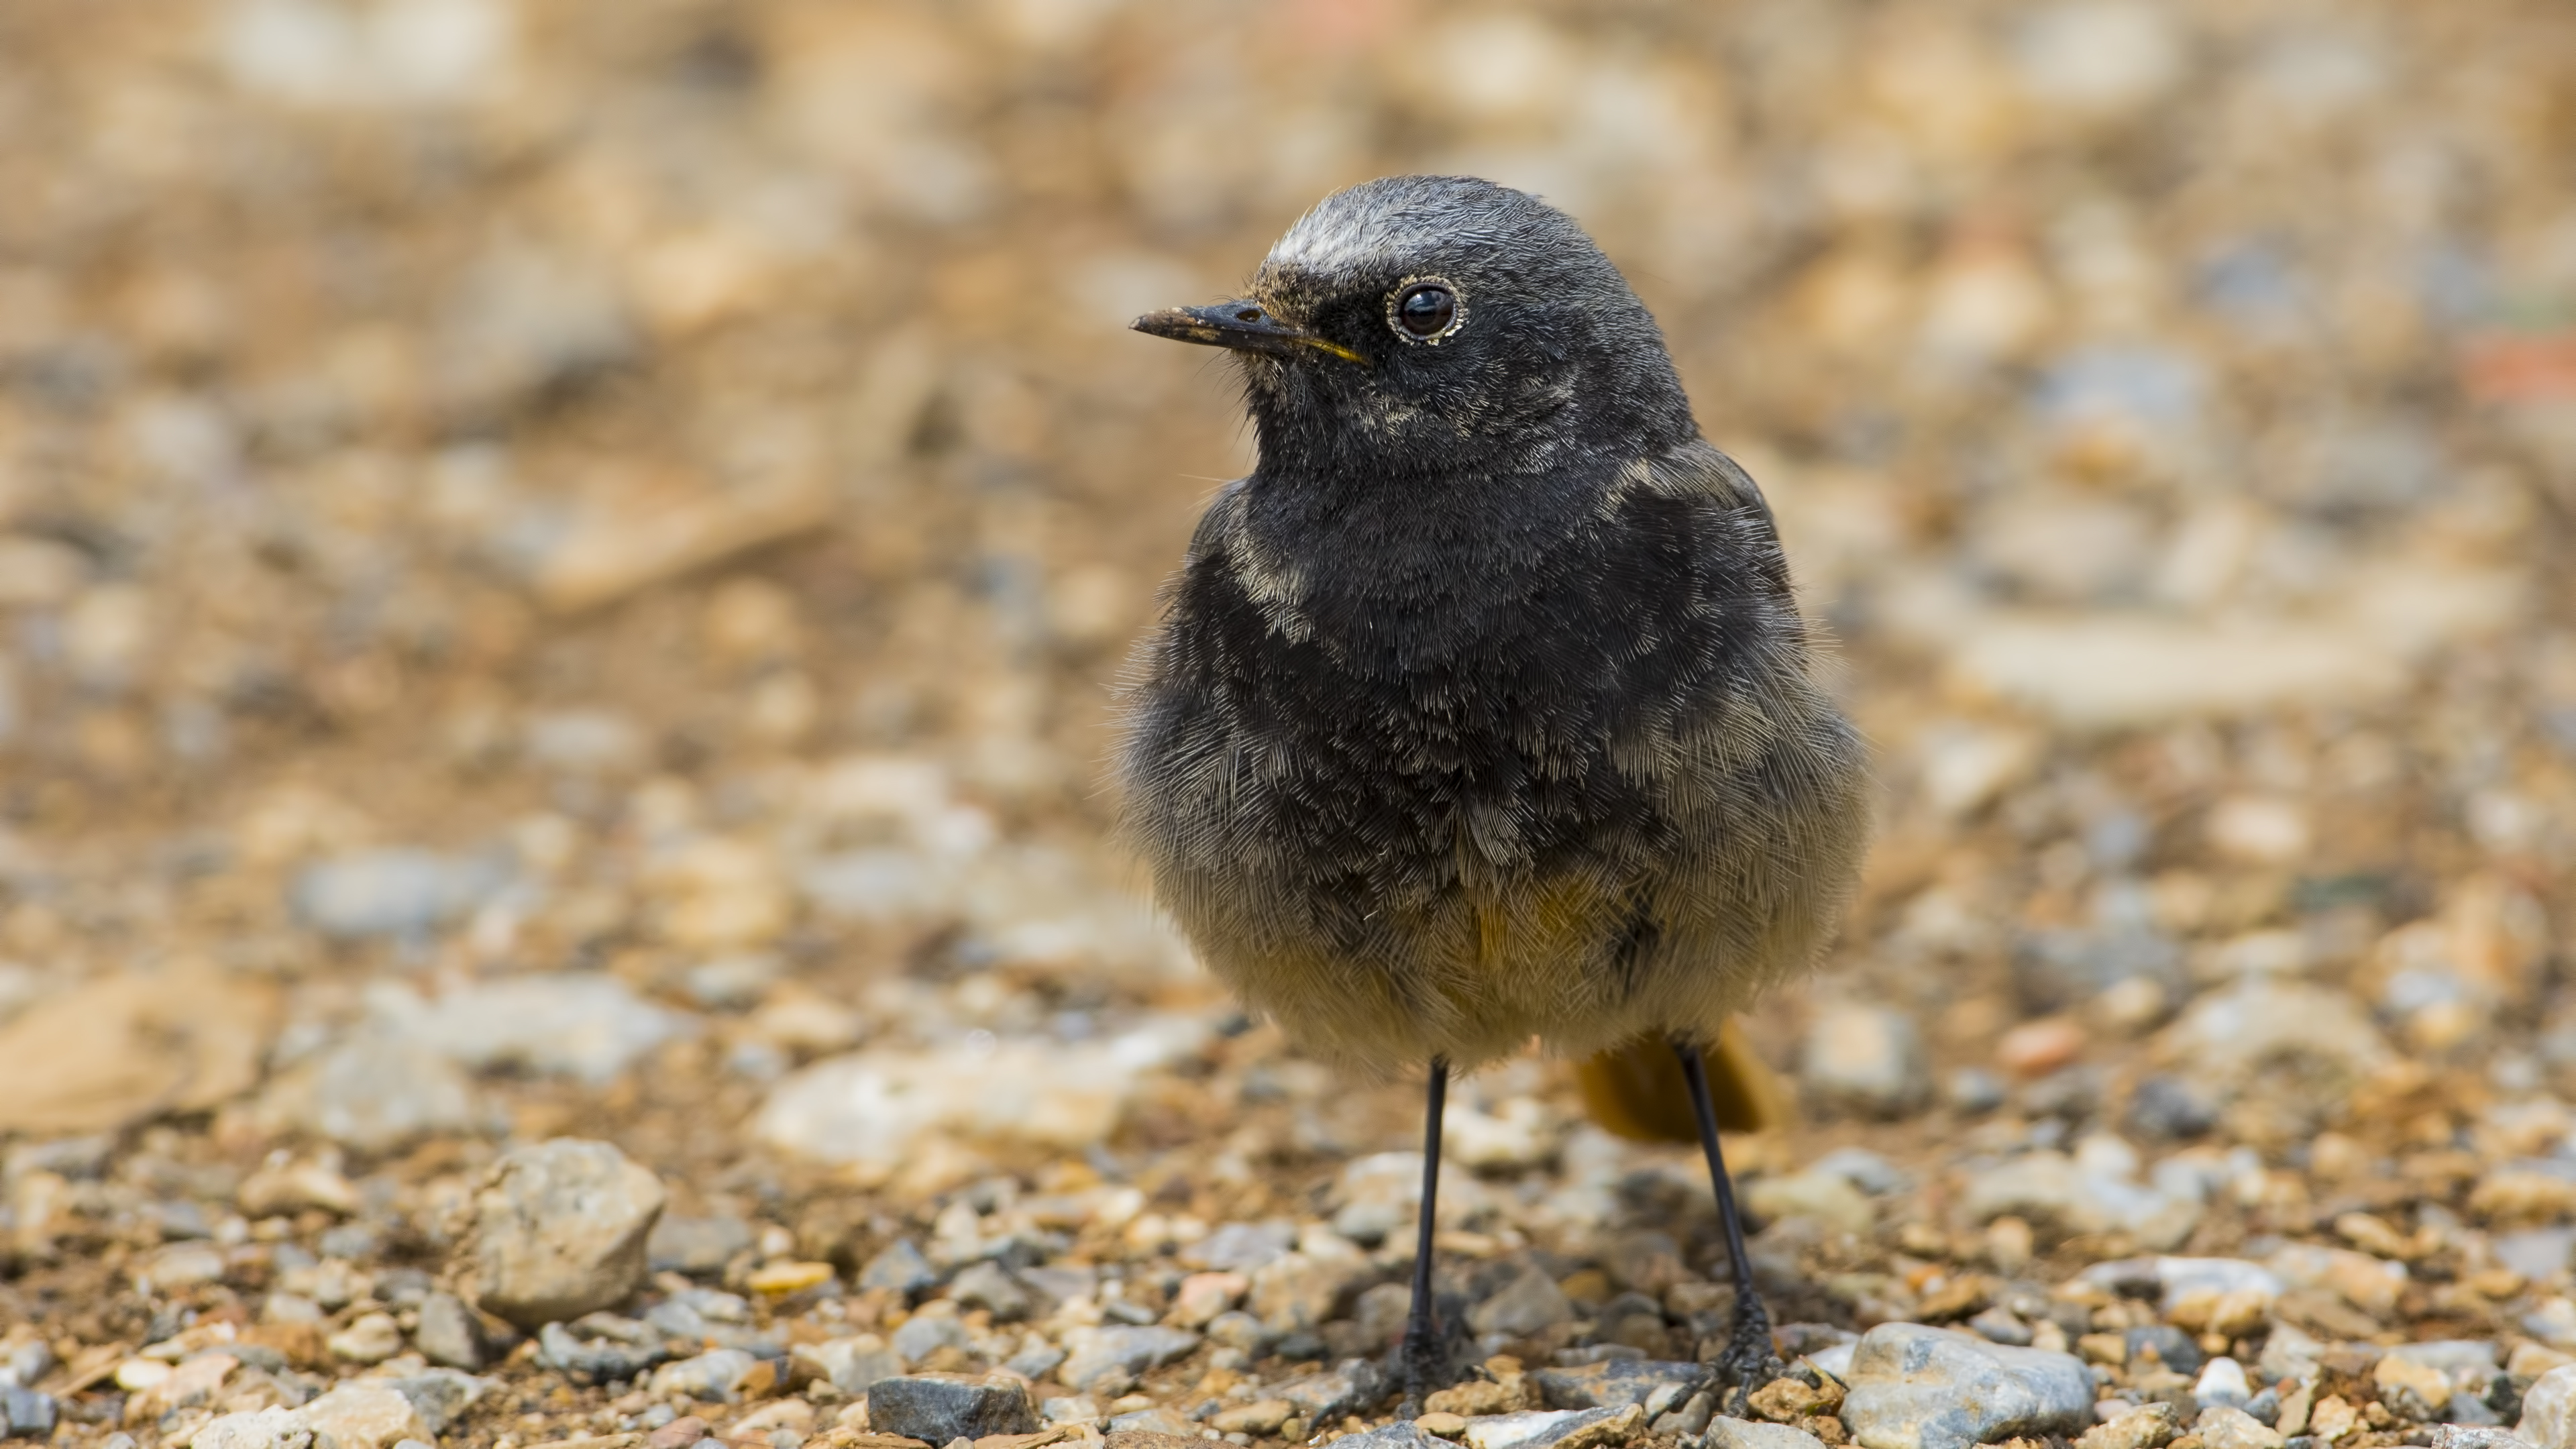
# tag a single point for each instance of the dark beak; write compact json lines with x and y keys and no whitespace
{"x":1243,"y":326}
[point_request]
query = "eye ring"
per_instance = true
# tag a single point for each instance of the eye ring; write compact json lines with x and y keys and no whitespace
{"x":1445,"y":314}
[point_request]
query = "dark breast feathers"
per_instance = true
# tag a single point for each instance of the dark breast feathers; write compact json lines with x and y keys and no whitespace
{"x":1423,"y":782}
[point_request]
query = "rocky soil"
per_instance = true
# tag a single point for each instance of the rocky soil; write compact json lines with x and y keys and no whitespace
{"x":561,"y":569}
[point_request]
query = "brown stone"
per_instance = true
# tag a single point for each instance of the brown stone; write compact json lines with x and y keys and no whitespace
{"x":113,"y":1051}
{"x":1786,"y":1401}
{"x":680,"y":1433}
{"x":1263,"y":1417}
{"x":1039,"y":1440}
{"x":1961,"y":1297}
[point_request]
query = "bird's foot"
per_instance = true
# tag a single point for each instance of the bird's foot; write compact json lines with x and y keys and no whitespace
{"x":1749,"y":1361}
{"x":1425,"y":1364}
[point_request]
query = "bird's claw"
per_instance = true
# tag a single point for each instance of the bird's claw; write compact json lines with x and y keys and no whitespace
{"x":1424,"y":1362}
{"x":1749,"y":1361}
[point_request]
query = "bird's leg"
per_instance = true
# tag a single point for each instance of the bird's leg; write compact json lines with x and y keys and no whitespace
{"x":1425,"y":1355}
{"x":1748,"y":1362}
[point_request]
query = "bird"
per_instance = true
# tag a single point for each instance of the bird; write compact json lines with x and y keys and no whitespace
{"x":1482,"y":710}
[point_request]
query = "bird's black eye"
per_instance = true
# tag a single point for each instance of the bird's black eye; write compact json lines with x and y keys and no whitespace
{"x":1425,"y":311}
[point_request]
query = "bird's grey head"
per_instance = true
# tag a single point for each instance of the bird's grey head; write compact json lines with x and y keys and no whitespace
{"x":1425,"y":325}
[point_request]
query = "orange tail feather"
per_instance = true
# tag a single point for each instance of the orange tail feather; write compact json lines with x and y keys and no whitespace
{"x":1637,"y":1092}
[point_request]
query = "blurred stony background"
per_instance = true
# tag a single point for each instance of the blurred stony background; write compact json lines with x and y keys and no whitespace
{"x":561,"y":571}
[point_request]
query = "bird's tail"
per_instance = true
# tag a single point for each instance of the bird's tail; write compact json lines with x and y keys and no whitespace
{"x":1637,"y":1090}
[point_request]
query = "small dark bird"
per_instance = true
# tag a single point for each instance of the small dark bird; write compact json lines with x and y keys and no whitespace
{"x":1482,"y":710}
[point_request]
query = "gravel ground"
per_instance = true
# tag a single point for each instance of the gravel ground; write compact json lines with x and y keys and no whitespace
{"x":560,"y":572}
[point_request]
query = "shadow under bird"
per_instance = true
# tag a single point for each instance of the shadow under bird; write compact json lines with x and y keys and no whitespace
{"x":1481,"y":710}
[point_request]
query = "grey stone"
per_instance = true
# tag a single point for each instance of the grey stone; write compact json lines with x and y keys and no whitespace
{"x":374,"y":1093}
{"x":78,"y":1158}
{"x":2450,"y":1355}
{"x":1654,"y":1384}
{"x":1346,"y":1388}
{"x":523,"y":320}
{"x":580,"y":1025}
{"x":2182,"y":1278}
{"x":1238,"y":1329}
{"x":2060,"y":969}
{"x":853,"y":1363}
{"x":263,"y":1429}
{"x":989,"y":1286}
{"x":731,"y":983}
{"x":1998,"y":1324}
{"x":616,"y":1326}
{"x":2179,"y":1351}
{"x":184,"y":1266}
{"x":699,"y":1247}
{"x":901,"y":1267}
{"x":441,"y":1396}
{"x":1302,"y":1291}
{"x":2476,"y":1436}
{"x":290,"y":1308}
{"x":2172,"y":1108}
{"x":596,"y":1360}
{"x":560,"y":1229}
{"x":702,"y":1313}
{"x":2053,"y":1187}
{"x":924,"y":1334}
{"x":1923,"y":1388}
{"x":2225,"y":1427}
{"x":1036,"y":1359}
{"x":2317,"y":1038}
{"x":1241,"y":1247}
{"x":2072,"y":1093}
{"x":1691,"y":1418}
{"x":1835,"y":1359}
{"x":592,"y":742}
{"x":937,"y":1408}
{"x":1527,"y":1304}
{"x":26,"y":1363}
{"x":394,"y":892}
{"x":184,"y":1219}
{"x":1369,"y":1223}
{"x":369,"y":1339}
{"x":713,"y":1377}
{"x":1973,"y":1090}
{"x":1061,"y":1282}
{"x":1125,"y":1351}
{"x":2549,"y":1410}
{"x":2465,"y":1409}
{"x":25,"y":1414}
{"x":362,"y":1414}
{"x":405,"y":1287}
{"x":1534,"y":1428}
{"x":2222,"y":1382}
{"x":253,"y":1355}
{"x":1153,"y":1421}
{"x":351,"y":1242}
{"x":1753,"y":1434}
{"x":1805,"y":1340}
{"x":1376,"y":1321}
{"x":1863,"y":1169}
{"x":1865,"y":1058}
{"x":2536,"y":1252}
{"x":1402,"y":1434}
{"x":1069,"y":1410}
